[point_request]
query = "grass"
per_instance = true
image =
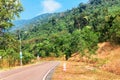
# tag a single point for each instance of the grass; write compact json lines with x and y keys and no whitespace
{"x":81,"y":71}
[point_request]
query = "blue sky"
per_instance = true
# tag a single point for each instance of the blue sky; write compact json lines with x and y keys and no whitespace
{"x":34,"y":8}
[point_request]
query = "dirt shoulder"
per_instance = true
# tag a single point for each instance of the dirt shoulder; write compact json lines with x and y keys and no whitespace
{"x":105,"y":65}
{"x":81,"y":71}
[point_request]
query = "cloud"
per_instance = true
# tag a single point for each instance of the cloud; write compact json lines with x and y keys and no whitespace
{"x":50,"y":6}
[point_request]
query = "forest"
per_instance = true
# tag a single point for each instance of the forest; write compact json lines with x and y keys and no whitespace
{"x":78,"y":30}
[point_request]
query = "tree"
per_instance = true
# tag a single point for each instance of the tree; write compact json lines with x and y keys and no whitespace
{"x":82,"y":7}
{"x":9,"y":10}
{"x":80,"y":21}
{"x":84,"y":41}
{"x":95,"y":2}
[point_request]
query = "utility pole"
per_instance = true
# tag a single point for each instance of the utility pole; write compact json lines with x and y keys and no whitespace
{"x":20,"y":50}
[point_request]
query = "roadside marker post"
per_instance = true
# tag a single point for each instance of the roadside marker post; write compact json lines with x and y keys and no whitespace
{"x":0,"y":57}
{"x":64,"y":67}
{"x":38,"y":58}
{"x":20,"y":58}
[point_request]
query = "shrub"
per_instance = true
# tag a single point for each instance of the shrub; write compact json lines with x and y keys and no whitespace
{"x":27,"y":57}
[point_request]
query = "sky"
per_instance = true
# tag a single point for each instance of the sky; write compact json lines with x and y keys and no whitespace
{"x":33,"y":8}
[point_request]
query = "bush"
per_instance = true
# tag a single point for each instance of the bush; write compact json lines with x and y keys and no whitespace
{"x":84,"y":41}
{"x":27,"y":57}
{"x":42,"y":53}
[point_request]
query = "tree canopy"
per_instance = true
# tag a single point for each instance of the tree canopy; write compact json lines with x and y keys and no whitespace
{"x":9,"y":9}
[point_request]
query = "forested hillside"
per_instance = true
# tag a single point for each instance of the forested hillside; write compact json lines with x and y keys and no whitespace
{"x":74,"y":31}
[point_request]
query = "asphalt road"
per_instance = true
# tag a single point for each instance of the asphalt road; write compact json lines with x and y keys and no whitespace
{"x":34,"y":72}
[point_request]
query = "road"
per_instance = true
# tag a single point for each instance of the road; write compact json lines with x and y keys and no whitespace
{"x":34,"y":72}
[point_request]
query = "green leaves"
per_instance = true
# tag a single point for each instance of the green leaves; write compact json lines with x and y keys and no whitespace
{"x":114,"y":10}
{"x":27,"y":57}
{"x":83,"y":40}
{"x":114,"y":30}
{"x":9,"y":9}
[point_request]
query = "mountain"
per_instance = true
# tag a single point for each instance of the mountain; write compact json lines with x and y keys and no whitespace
{"x":20,"y":24}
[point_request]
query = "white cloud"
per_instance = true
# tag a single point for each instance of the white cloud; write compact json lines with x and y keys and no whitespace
{"x":50,"y":6}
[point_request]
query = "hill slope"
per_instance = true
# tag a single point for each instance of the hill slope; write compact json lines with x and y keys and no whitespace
{"x":78,"y":30}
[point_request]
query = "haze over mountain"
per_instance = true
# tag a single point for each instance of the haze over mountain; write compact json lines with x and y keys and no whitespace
{"x":18,"y":24}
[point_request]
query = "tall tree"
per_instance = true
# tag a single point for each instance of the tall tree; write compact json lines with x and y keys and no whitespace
{"x":9,"y":10}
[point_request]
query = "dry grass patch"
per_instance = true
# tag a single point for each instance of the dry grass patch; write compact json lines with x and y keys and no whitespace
{"x":81,"y":71}
{"x":111,"y":53}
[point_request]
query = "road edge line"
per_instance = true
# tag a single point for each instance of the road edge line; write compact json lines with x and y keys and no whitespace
{"x":50,"y":71}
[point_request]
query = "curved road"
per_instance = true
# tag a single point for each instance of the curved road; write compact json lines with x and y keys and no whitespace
{"x":34,"y":72}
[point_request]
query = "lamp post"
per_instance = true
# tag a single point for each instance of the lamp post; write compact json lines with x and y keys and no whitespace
{"x":20,"y":50}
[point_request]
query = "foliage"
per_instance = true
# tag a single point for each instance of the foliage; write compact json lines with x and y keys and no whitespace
{"x":9,"y":45}
{"x":76,"y":30}
{"x":27,"y":57}
{"x":9,"y":9}
{"x":84,"y":41}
